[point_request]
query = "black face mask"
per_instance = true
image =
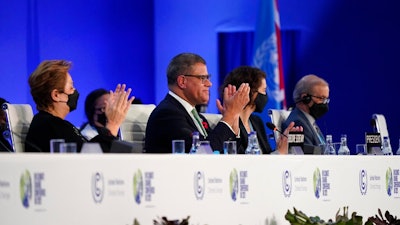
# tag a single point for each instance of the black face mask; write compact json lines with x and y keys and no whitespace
{"x":73,"y":100}
{"x":318,"y":110}
{"x":260,"y":102}
{"x":102,"y":119}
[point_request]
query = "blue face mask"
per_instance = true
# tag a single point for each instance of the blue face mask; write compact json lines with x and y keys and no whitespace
{"x":260,"y":102}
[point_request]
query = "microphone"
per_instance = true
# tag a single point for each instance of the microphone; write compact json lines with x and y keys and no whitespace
{"x":273,"y":127}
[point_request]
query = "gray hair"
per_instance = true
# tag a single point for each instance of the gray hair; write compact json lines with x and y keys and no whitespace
{"x":305,"y":86}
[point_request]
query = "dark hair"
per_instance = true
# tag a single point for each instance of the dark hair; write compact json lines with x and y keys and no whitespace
{"x":244,"y":74}
{"x":182,"y":64}
{"x":49,"y":75}
{"x":90,"y":102}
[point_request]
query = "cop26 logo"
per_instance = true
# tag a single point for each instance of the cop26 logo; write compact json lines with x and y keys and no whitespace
{"x":234,"y":184}
{"x":138,"y":186}
{"x":25,"y":188}
{"x":389,"y":181}
{"x":317,"y":183}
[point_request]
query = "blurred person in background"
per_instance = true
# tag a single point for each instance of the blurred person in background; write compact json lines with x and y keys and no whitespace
{"x":95,"y":104}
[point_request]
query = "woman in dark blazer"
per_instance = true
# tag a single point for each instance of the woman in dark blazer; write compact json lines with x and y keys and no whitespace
{"x":248,"y":122}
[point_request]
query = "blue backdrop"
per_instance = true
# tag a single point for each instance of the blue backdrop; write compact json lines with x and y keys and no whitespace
{"x":352,"y":44}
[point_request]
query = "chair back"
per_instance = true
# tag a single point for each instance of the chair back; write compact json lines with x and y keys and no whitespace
{"x":18,"y":120}
{"x":278,"y":116}
{"x":133,"y":129}
{"x":380,"y":125}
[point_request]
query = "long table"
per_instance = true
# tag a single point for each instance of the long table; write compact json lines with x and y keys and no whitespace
{"x":122,"y":189}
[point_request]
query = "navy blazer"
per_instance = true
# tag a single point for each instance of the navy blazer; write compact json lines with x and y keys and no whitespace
{"x":310,"y":135}
{"x":170,"y":121}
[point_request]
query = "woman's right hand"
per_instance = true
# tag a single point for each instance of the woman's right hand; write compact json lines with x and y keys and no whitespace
{"x":117,"y":107}
{"x":283,"y":144}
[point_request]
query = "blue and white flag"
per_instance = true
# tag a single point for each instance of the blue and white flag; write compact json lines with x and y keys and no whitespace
{"x":268,"y":53}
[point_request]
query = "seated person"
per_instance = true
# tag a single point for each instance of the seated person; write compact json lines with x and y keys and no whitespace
{"x":95,"y":104}
{"x":311,"y":95}
{"x":248,"y":121}
{"x":55,"y":96}
{"x":4,"y":144}
{"x":176,"y":116}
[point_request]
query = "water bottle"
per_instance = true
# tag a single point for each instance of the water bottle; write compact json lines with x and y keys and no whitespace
{"x":386,"y":148}
{"x":195,"y":142}
{"x":329,"y":149}
{"x":343,"y":149}
{"x":252,"y":145}
{"x":398,"y":150}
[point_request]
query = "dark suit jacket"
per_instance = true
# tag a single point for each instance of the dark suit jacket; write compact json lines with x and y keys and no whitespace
{"x":258,"y":126}
{"x":45,"y":127}
{"x":310,"y":135}
{"x":170,"y":121}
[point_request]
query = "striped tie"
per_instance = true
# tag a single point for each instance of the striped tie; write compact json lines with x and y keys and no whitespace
{"x":198,"y":120}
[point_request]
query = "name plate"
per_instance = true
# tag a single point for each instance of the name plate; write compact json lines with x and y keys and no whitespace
{"x":296,"y":142}
{"x":374,"y":143}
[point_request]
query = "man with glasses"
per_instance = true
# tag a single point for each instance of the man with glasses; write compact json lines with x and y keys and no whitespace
{"x":311,"y":95}
{"x":176,"y":117}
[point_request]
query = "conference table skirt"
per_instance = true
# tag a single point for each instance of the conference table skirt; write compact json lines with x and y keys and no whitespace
{"x":209,"y":189}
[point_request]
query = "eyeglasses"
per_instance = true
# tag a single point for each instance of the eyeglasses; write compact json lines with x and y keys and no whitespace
{"x":203,"y":78}
{"x":324,"y":100}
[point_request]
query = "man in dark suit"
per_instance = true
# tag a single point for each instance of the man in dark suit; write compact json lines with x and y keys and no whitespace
{"x":176,"y":117}
{"x":311,"y":95}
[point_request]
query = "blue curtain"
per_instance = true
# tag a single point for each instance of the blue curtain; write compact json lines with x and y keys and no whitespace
{"x":234,"y":49}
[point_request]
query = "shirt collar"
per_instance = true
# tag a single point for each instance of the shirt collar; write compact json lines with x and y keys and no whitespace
{"x":188,"y":107}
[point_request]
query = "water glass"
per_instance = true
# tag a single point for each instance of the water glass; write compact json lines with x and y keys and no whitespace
{"x":204,"y":148}
{"x":68,"y":147}
{"x":55,"y":145}
{"x":230,"y":147}
{"x":178,"y":146}
{"x":361,"y":149}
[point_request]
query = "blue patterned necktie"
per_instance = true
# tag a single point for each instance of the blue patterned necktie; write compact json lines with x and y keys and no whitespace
{"x":320,"y":135}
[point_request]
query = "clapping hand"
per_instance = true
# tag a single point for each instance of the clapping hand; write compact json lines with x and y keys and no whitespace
{"x":117,"y":107}
{"x":233,"y":104}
